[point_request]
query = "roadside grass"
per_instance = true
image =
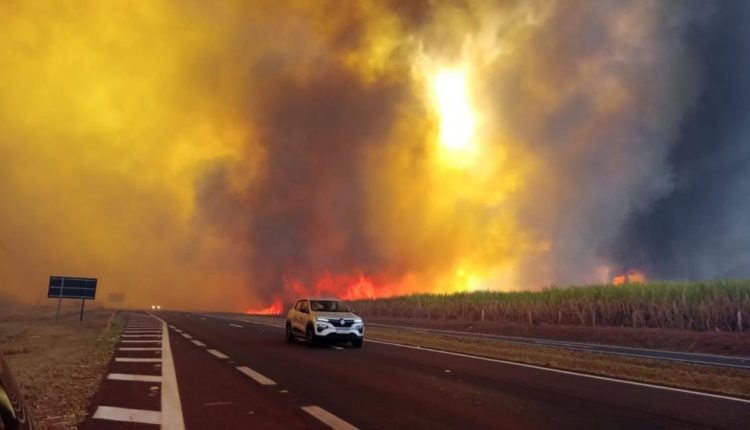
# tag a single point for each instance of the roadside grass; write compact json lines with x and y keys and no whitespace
{"x":58,"y":365}
{"x":713,"y":379}
{"x":712,"y":305}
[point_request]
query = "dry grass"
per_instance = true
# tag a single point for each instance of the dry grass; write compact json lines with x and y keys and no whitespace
{"x":58,"y":365}
{"x":713,"y":305}
{"x":713,"y":379}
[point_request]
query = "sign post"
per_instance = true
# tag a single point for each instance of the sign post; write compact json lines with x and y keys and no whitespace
{"x":65,"y":287}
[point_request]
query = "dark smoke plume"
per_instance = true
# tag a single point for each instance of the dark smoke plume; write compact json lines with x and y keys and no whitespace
{"x":701,"y":228}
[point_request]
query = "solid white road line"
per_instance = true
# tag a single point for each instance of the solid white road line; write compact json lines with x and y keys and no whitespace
{"x":261,"y":379}
{"x":137,"y":360}
{"x":217,"y":354}
{"x":171,"y":408}
{"x":186,"y":336}
{"x":127,"y":415}
{"x":141,"y":331}
{"x":328,"y":418}
{"x":141,"y":335}
{"x":140,"y":341}
{"x":236,"y":325}
{"x":566,"y":372}
{"x":199,"y":343}
{"x":139,"y":349}
{"x":133,"y":377}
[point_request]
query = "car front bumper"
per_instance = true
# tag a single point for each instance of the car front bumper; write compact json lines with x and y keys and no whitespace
{"x":340,"y":337}
{"x":340,"y":334}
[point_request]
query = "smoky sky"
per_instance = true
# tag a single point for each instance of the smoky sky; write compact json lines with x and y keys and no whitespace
{"x":701,"y":228}
{"x":307,"y":217}
{"x":266,"y":148}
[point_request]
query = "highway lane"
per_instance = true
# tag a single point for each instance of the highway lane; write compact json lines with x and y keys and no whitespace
{"x":685,"y":357}
{"x":386,"y":386}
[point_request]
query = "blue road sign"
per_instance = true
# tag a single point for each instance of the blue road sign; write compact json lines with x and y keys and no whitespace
{"x":71,"y":288}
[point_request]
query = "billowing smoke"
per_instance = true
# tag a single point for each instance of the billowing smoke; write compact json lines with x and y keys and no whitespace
{"x":699,"y":229}
{"x":225,"y":154}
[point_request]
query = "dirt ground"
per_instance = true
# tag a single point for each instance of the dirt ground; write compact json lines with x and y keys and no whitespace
{"x":709,"y":342}
{"x":58,"y":365}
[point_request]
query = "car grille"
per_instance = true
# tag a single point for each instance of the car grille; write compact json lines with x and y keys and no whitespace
{"x":337,"y":322}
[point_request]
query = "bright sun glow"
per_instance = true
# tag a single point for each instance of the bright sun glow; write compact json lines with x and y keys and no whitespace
{"x":457,"y":122}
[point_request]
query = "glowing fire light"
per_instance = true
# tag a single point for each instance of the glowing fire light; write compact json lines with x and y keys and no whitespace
{"x":632,"y":276}
{"x":344,"y":286}
{"x":457,"y":122}
{"x":275,"y":309}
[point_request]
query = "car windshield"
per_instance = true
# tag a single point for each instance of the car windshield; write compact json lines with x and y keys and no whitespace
{"x":328,"y":306}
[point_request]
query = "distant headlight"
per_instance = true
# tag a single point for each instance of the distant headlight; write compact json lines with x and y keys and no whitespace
{"x":321,"y":319}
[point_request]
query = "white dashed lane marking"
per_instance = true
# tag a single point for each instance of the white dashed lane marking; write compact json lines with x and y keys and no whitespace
{"x":261,"y":379}
{"x":236,"y":325}
{"x":328,"y":418}
{"x":186,"y":336}
{"x":217,"y":354}
{"x":199,"y":343}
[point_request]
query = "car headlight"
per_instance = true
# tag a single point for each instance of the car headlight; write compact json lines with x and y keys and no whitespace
{"x":358,"y":321}
{"x":321,"y":319}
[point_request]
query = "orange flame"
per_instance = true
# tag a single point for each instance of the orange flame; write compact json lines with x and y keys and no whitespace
{"x":344,"y":286}
{"x":275,"y":309}
{"x":357,"y":286}
{"x":632,"y":276}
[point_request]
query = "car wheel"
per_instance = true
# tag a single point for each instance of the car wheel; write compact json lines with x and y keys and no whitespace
{"x":289,"y":334}
{"x":309,"y":336}
{"x":357,"y":343}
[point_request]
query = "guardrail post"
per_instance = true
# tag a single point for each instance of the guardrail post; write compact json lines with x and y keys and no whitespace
{"x":739,"y":320}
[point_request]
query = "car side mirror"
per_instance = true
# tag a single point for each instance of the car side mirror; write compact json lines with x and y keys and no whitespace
{"x":13,"y":414}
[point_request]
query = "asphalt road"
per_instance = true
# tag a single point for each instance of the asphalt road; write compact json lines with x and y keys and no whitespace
{"x":685,"y":357}
{"x":388,"y":386}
